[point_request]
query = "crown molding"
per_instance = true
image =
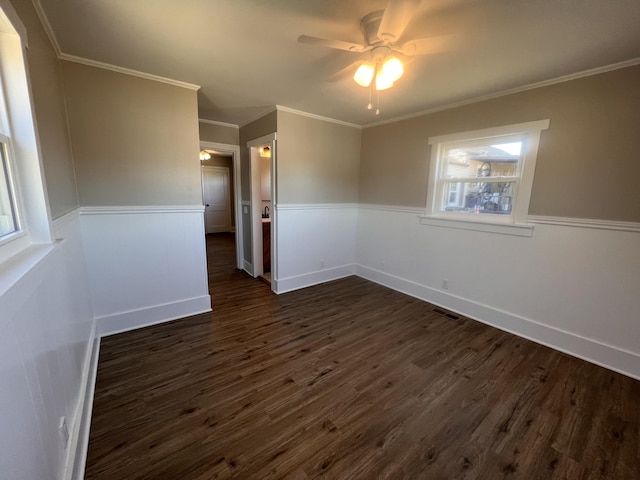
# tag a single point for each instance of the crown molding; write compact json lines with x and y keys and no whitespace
{"x":258,"y":116}
{"x":221,"y":124}
{"x":545,"y":83}
{"x":317,"y":117}
{"x":127,"y":71}
{"x":47,"y":27}
{"x":94,"y":63}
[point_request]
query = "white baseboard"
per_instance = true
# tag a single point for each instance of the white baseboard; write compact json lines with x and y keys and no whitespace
{"x":613,"y":358}
{"x":283,"y":285}
{"x":79,"y":439}
{"x":144,"y":317}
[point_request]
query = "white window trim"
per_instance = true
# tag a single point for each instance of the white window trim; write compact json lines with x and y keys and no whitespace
{"x":17,"y":123}
{"x":514,"y":224}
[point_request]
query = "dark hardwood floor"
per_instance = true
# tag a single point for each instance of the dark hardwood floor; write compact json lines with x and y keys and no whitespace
{"x":350,"y":380}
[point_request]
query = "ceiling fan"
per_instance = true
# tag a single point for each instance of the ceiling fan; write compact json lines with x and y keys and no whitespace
{"x":382,"y":31}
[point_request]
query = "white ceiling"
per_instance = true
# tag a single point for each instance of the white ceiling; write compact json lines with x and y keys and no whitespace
{"x":245,"y":55}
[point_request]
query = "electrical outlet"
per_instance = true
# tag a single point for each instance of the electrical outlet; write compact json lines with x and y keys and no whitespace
{"x":64,"y":432}
{"x":445,"y":284}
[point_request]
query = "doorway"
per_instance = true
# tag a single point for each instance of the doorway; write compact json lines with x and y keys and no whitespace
{"x":264,"y":208}
{"x":216,"y":214}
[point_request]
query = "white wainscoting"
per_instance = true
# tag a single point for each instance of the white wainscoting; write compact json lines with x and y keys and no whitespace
{"x":146,"y":265}
{"x":316,"y":243}
{"x":573,"y":288}
{"x":46,"y":339}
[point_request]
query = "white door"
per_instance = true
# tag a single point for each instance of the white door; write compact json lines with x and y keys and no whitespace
{"x":217,"y":212}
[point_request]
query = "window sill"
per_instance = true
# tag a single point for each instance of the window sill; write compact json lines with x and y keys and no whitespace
{"x":14,"y":269}
{"x":520,"y":230}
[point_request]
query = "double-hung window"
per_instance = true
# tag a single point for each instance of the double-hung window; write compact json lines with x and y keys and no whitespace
{"x":484,"y":176}
{"x":24,"y":219}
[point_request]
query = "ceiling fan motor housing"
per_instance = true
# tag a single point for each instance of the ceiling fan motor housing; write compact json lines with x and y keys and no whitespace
{"x":369,"y":25}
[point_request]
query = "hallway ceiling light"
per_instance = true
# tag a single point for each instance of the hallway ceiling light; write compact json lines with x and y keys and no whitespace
{"x":204,"y":155}
{"x":265,"y":152}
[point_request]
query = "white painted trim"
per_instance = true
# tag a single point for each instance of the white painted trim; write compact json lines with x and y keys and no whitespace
{"x":531,"y":86}
{"x":315,"y":206}
{"x":499,"y":131}
{"x":79,"y":444}
{"x":317,"y":117}
{"x":47,"y":27}
{"x":221,"y":124}
{"x":257,"y":142}
{"x":17,"y":267}
{"x":94,"y":63}
{"x":392,"y":208}
{"x":256,"y":206}
{"x":586,"y":223}
{"x":237,"y":193}
{"x":62,"y":220}
{"x":259,"y":116}
{"x":127,"y":71}
{"x":246,"y":203}
{"x":608,"y":356}
{"x":247,"y":267}
{"x":152,"y":315}
{"x":297,"y":282}
{"x":528,"y":132}
{"x":146,"y":209}
{"x":520,"y":230}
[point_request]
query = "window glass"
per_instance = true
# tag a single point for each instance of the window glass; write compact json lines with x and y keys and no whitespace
{"x":481,"y":166}
{"x":7,"y":207}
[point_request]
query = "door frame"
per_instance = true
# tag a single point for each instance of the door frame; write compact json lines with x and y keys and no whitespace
{"x":256,"y":206}
{"x":234,"y":150}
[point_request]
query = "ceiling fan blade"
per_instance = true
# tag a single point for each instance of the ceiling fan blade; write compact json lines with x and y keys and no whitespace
{"x":338,"y":44}
{"x":426,"y":46}
{"x":395,"y":19}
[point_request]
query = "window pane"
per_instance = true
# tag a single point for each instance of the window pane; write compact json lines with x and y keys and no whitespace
{"x":7,"y":213}
{"x":483,"y":160}
{"x":493,"y":198}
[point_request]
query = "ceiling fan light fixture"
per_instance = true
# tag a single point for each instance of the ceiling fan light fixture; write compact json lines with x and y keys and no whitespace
{"x":364,"y":74}
{"x":382,"y":83}
{"x":392,"y":69}
{"x":204,"y":155}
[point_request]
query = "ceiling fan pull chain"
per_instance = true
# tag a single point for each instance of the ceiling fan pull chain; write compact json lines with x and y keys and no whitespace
{"x":378,"y":104}
{"x":369,"y":107}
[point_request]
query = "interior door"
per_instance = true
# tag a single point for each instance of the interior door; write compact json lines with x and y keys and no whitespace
{"x":217,"y":212}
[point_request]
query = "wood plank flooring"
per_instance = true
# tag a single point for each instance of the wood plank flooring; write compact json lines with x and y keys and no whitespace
{"x":350,"y":380}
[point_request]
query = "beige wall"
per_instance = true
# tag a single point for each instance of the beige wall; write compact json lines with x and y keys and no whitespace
{"x":210,"y":132}
{"x":50,"y":114}
{"x":588,"y":159}
{"x":135,"y":141}
{"x":317,"y":161}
